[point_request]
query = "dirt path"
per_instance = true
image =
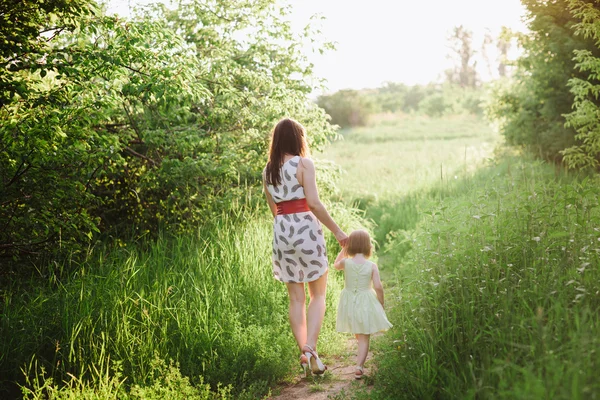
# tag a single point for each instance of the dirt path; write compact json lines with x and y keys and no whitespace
{"x":337,"y":382}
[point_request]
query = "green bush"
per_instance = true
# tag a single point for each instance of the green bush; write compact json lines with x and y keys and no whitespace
{"x":166,"y":382}
{"x":499,"y":296}
{"x":352,"y":108}
{"x":433,"y":105}
{"x":530,"y":108}
{"x":346,"y":108}
{"x":132,"y":124}
{"x":586,"y":154}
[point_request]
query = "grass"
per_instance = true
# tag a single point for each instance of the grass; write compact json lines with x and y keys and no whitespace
{"x":499,"y":296}
{"x":398,"y":155}
{"x":209,"y":302}
{"x":492,"y":286}
{"x":492,"y":277}
{"x":390,"y":165}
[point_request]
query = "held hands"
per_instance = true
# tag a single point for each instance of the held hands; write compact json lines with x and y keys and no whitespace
{"x":341,"y":237}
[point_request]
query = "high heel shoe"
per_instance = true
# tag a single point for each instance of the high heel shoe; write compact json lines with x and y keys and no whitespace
{"x":358,"y":374}
{"x":317,"y":367}
{"x":304,"y":364}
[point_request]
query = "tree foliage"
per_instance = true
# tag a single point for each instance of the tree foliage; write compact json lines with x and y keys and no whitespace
{"x":346,"y":107}
{"x":26,"y":28}
{"x":160,"y":120}
{"x":531,"y":108}
{"x":585,"y":119}
{"x":349,"y":108}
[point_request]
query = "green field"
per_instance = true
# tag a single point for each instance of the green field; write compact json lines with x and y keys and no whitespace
{"x":390,"y":166}
{"x":492,"y":276}
{"x":398,"y":154}
{"x":489,"y":260}
{"x":180,"y":317}
{"x":135,"y":256}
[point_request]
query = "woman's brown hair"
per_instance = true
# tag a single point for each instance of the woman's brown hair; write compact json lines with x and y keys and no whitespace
{"x":288,"y":138}
{"x":359,"y":242}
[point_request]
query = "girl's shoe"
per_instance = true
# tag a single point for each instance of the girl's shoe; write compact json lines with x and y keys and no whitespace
{"x":304,"y":364}
{"x":358,"y":374}
{"x":316,"y":366}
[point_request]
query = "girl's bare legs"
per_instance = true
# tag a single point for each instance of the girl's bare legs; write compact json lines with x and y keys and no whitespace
{"x":316,"y":309}
{"x":298,"y":312}
{"x":363,"y":349}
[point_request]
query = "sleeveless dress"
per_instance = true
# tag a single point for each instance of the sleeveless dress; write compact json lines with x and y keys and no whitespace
{"x":299,"y":253}
{"x":359,"y":311}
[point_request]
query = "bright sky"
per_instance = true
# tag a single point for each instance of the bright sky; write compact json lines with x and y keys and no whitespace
{"x":401,"y":40}
{"x":394,"y":40}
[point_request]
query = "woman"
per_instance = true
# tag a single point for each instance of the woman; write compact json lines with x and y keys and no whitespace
{"x":299,"y":254}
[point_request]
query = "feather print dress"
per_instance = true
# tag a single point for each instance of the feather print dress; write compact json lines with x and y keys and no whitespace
{"x":299,"y":253}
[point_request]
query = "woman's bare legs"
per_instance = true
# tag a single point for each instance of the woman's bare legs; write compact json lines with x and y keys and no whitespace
{"x":305,"y":327}
{"x":316,"y":310}
{"x":298,"y":312}
{"x":363,"y":349}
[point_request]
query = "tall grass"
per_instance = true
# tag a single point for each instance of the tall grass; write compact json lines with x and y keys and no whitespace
{"x":208,"y":302}
{"x":492,"y":272}
{"x":500,"y":295}
{"x":391,"y":166}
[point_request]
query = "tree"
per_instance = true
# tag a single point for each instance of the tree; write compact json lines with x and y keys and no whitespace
{"x":503,"y":44}
{"x":488,"y":40}
{"x":531,"y":109}
{"x":585,"y":118}
{"x":464,"y":73}
{"x":347,"y":108}
{"x":158,"y":121}
{"x":28,"y":29}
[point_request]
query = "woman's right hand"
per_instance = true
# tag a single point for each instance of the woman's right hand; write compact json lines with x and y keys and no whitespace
{"x":341,"y":237}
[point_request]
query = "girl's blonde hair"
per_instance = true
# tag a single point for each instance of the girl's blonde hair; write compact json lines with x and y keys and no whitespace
{"x":359,"y":242}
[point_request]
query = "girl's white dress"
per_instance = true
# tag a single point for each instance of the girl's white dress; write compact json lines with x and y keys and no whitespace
{"x":359,"y":311}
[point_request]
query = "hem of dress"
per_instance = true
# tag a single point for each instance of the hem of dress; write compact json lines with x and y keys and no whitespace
{"x":362,"y":333}
{"x":304,"y":281}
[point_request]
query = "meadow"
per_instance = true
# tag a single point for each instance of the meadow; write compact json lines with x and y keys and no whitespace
{"x":135,"y":240}
{"x":395,"y":161}
{"x":197,"y":316}
{"x":492,"y":276}
{"x":399,"y":154}
{"x":489,"y":260}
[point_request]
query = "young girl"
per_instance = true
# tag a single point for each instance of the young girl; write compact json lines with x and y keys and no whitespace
{"x":361,"y":308}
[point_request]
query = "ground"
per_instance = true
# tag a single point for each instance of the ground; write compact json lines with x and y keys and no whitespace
{"x":336,"y":383}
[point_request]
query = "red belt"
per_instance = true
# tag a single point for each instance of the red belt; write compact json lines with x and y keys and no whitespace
{"x":292,"y":206}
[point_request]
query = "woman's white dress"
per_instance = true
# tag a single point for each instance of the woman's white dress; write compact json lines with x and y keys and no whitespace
{"x":299,"y":253}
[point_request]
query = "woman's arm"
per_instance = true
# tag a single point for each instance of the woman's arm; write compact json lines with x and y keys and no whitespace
{"x":307,"y":178}
{"x":339,"y":260}
{"x":377,"y":284}
{"x":270,"y":201}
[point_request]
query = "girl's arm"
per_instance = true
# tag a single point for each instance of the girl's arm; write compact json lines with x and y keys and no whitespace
{"x":339,"y":261}
{"x":377,"y":284}
{"x":309,"y":183}
{"x":270,"y":201}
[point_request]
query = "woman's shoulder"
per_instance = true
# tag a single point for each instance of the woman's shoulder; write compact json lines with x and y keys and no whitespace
{"x":306,"y":160}
{"x":307,"y":163}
